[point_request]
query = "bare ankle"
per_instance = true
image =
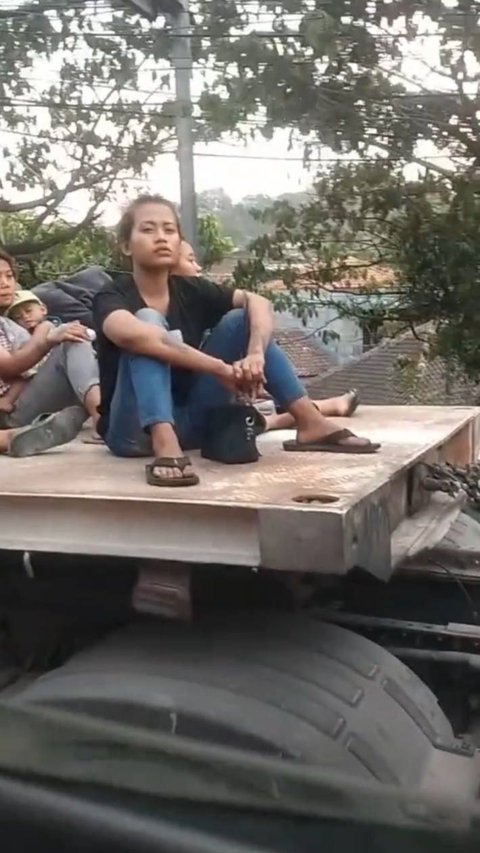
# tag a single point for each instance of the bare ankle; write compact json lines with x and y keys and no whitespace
{"x":305,"y":412}
{"x":91,"y":402}
{"x":164,"y":440}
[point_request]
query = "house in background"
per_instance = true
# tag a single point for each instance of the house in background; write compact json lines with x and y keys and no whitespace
{"x":310,"y":360}
{"x":325,"y":321}
{"x":395,"y":371}
{"x":346,"y":338}
{"x":398,"y":372}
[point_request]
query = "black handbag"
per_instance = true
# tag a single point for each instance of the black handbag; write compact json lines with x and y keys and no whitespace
{"x":230,"y":434}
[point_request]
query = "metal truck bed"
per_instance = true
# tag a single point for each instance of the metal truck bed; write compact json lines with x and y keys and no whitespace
{"x":305,"y":512}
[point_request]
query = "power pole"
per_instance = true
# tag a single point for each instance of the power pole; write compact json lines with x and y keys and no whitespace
{"x":181,"y":56}
{"x":178,"y":17}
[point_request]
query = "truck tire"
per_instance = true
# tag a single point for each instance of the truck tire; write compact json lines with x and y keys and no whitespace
{"x":280,"y":685}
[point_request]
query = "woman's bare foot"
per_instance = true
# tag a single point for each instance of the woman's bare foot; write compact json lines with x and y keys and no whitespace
{"x":340,"y":407}
{"x":166,"y":446}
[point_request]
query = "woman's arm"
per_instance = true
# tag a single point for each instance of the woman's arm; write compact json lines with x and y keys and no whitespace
{"x":260,"y":316}
{"x":133,"y":335}
{"x":249,"y":372}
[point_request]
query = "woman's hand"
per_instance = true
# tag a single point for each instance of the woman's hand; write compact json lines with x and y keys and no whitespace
{"x":249,"y":375}
{"x":226,"y":377}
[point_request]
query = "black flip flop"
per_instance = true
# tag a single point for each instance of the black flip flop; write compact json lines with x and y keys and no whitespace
{"x":180,"y":462}
{"x":331,"y":443}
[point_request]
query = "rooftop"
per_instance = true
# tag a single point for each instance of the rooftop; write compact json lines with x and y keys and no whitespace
{"x":397,"y":372}
{"x":308,"y":358}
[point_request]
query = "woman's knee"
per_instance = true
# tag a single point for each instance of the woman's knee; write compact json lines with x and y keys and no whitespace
{"x":234,"y":320}
{"x":150,"y":315}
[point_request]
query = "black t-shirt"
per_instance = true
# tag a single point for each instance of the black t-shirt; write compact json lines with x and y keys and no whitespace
{"x":196,"y":306}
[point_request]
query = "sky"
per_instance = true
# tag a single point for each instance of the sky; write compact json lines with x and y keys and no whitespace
{"x":241,"y":177}
{"x":238,"y":177}
{"x":216,"y":164}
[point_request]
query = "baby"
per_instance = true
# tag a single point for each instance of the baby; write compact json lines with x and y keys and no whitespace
{"x":27,"y":311}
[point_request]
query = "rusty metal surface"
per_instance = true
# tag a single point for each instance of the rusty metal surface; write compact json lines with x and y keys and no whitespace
{"x":81,"y":494}
{"x":84,"y":471}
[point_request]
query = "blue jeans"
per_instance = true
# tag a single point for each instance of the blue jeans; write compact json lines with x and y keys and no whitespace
{"x":143,"y":393}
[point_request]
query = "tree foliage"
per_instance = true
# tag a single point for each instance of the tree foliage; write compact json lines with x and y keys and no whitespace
{"x":82,"y":109}
{"x":439,"y":259}
{"x":389,"y":77}
{"x":381,"y":86}
{"x":213,"y":242}
{"x":85,"y":104}
{"x":94,"y":244}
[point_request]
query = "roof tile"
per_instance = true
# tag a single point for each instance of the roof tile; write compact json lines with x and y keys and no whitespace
{"x":308,"y":358}
{"x":379,"y":378}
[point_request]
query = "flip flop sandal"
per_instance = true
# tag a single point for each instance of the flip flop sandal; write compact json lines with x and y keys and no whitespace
{"x":41,"y":418}
{"x":180,"y":462}
{"x":332,"y":443}
{"x":46,"y":432}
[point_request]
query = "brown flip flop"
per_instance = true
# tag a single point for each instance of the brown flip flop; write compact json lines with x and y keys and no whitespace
{"x":332,"y":443}
{"x":180,"y":462}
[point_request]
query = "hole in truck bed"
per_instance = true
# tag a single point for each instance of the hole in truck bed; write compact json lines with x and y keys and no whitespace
{"x":311,"y":498}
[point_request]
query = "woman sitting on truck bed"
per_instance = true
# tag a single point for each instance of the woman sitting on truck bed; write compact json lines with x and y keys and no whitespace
{"x":158,"y":382}
{"x":48,"y":375}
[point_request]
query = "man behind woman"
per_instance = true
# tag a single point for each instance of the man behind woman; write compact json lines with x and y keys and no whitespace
{"x":340,"y":407}
{"x":159,"y":377}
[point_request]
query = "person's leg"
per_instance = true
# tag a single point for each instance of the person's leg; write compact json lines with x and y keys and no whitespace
{"x":80,"y":366}
{"x":48,"y":391}
{"x":229,"y":341}
{"x":333,"y":407}
{"x":141,"y":420}
{"x":67,"y":378}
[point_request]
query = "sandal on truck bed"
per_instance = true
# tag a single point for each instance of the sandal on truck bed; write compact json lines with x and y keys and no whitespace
{"x":334,"y":442}
{"x":178,"y":462}
{"x":46,"y":432}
